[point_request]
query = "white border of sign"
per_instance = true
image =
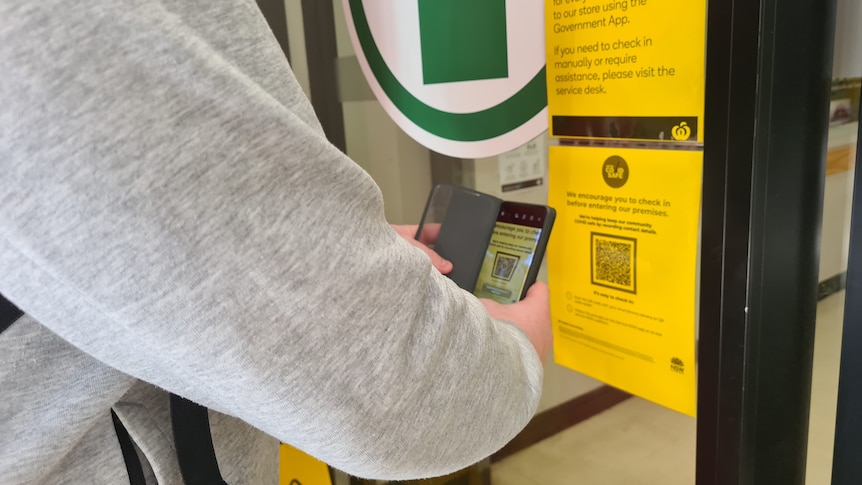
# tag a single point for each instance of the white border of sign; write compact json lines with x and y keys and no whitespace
{"x":394,"y":27}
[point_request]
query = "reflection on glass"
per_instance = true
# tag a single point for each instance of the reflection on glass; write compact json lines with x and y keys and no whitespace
{"x":835,"y":237}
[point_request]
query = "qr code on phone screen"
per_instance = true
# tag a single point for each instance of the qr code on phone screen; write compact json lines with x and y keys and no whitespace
{"x":504,"y":266}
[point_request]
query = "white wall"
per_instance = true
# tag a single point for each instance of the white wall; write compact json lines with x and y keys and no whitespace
{"x":848,"y":45}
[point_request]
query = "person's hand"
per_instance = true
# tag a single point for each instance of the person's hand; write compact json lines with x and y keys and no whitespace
{"x":426,"y":239}
{"x":532,"y":314}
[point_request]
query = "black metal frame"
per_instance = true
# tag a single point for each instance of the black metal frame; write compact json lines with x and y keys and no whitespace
{"x":319,"y":23}
{"x":847,"y":456}
{"x":274,"y":13}
{"x":767,"y":96}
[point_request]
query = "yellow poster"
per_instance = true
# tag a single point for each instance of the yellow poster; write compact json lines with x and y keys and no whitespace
{"x":299,"y":468}
{"x":622,"y":268}
{"x":626,"y":69}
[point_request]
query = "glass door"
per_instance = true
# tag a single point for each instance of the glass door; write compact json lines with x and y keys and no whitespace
{"x":766,"y":179}
{"x":846,"y":425}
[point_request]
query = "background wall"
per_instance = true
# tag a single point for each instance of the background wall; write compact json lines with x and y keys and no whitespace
{"x":848,"y":52}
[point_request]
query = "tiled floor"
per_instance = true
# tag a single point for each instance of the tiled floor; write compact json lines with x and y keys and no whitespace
{"x":824,"y":389}
{"x":640,"y":443}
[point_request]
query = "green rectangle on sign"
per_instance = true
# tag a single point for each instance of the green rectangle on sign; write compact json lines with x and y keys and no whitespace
{"x":463,"y":40}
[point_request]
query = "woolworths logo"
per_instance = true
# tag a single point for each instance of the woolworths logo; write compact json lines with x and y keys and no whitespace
{"x":463,"y":77}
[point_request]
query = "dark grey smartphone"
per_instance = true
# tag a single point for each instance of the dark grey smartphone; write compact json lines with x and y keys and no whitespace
{"x":462,"y":220}
{"x":515,"y":252}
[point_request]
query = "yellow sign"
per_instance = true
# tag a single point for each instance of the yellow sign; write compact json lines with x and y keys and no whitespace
{"x":626,"y":69}
{"x":622,"y":268}
{"x":299,"y":468}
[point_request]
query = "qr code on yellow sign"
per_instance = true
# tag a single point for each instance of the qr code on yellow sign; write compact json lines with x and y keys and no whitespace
{"x":612,"y":262}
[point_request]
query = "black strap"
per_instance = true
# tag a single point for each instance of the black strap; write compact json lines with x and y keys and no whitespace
{"x":130,"y":456}
{"x":194,"y":443}
{"x":9,"y":313}
{"x":192,"y":436}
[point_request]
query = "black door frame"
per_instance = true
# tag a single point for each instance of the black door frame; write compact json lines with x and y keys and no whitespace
{"x":768,"y":83}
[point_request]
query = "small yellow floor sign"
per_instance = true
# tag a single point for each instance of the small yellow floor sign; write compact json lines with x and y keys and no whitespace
{"x":626,"y":69}
{"x":622,"y":268}
{"x":299,"y":468}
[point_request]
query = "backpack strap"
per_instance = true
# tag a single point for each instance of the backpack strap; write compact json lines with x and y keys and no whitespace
{"x":194,"y":443}
{"x":130,"y":456}
{"x":9,"y":313}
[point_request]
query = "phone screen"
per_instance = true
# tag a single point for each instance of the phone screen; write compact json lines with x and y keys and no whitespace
{"x":510,"y":252}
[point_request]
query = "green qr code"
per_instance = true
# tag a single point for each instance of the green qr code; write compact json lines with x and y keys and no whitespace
{"x":613,"y":262}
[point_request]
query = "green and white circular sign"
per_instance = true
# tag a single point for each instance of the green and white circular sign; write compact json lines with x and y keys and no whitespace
{"x":464,"y":78}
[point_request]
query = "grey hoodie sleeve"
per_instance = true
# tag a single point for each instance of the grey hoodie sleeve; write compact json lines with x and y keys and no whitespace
{"x":170,"y":206}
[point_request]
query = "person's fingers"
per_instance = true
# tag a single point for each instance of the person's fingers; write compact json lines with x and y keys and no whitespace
{"x":443,"y":265}
{"x":429,"y":233}
{"x":428,"y":236}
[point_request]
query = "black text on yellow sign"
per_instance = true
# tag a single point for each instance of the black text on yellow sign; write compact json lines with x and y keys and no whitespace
{"x":622,"y":268}
{"x":626,"y":69}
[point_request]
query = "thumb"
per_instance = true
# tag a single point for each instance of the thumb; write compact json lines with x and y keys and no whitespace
{"x":538,"y":291}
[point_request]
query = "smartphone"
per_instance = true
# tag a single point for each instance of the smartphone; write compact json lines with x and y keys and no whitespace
{"x":515,"y":252}
{"x":463,"y":220}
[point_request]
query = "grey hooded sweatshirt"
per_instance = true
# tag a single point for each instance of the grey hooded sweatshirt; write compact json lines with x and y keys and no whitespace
{"x":172,"y":218}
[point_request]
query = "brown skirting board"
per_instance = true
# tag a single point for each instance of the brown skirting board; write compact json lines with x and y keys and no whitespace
{"x":557,"y":419}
